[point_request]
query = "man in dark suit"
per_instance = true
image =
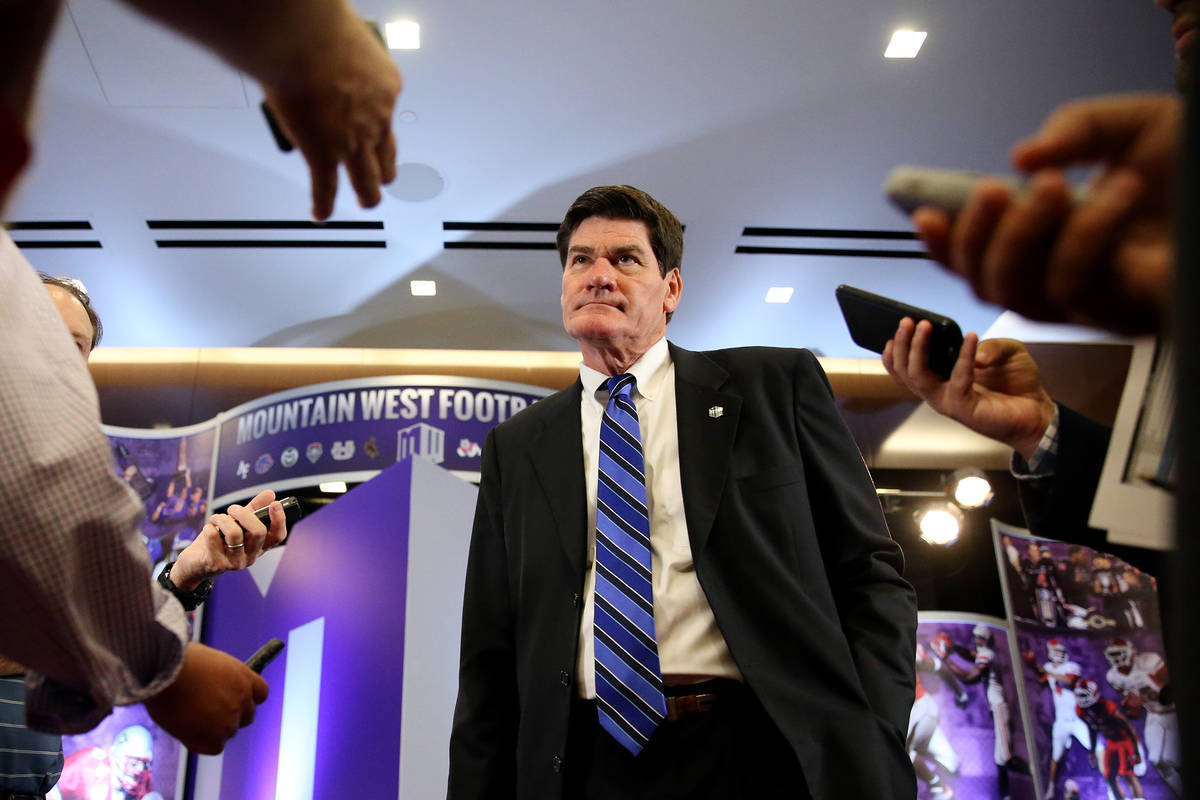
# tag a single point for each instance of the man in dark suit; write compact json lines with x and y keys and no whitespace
{"x":782,"y":632}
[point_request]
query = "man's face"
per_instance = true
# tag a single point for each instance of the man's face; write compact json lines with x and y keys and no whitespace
{"x":74,"y":316}
{"x":1186,"y":31}
{"x":613,"y":295}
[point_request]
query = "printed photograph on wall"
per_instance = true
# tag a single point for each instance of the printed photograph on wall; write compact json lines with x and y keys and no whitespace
{"x":1090,"y":652}
{"x":966,"y":735}
{"x":169,"y":470}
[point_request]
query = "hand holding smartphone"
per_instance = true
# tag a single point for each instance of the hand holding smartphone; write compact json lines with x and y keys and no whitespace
{"x":910,"y":187}
{"x":291,"y":509}
{"x":873,"y":319}
{"x":264,"y":655}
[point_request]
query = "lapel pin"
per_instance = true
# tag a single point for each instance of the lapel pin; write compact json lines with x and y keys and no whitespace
{"x":716,"y":411}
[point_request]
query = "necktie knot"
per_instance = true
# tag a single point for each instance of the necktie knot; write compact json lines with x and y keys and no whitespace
{"x":620,"y":386}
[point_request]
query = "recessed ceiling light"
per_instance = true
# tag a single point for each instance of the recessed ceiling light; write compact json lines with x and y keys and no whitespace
{"x":403,"y":35}
{"x":423,"y":288}
{"x":905,"y":44}
{"x":779,"y":294}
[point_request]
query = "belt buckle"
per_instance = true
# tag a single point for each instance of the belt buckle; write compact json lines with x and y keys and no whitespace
{"x":686,"y":705}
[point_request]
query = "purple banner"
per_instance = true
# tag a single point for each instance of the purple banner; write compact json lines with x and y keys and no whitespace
{"x":350,"y":430}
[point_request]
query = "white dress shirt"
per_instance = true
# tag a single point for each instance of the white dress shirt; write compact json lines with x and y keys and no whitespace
{"x":690,"y":646}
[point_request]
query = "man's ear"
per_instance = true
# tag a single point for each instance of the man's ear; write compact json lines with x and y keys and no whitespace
{"x":674,"y":290}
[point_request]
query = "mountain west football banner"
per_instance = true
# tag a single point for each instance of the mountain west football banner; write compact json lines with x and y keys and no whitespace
{"x":350,"y":430}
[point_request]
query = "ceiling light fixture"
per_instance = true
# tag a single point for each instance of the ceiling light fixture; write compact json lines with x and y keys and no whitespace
{"x":779,"y":294}
{"x":423,"y":288}
{"x":403,"y":35}
{"x":905,"y":44}
{"x":333,"y":487}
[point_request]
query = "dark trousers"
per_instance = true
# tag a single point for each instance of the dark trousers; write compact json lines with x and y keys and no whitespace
{"x":731,"y":752}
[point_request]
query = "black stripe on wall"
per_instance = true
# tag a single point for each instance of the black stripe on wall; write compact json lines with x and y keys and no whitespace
{"x":65,"y":225}
{"x":260,"y":224}
{"x":830,"y":233}
{"x":58,"y":245}
{"x":521,"y":227}
{"x":828,"y":251}
{"x":471,"y":245}
{"x":271,"y":243}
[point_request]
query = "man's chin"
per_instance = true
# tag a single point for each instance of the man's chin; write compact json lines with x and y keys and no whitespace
{"x":592,"y":325}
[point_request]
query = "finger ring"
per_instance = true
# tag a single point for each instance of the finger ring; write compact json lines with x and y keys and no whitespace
{"x":234,"y":546}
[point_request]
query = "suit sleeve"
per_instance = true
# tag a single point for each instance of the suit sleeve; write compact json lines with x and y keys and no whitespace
{"x":1058,"y":506}
{"x":483,"y":739}
{"x":877,"y":607}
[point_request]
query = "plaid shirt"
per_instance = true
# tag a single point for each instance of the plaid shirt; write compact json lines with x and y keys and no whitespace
{"x":1044,"y":460}
{"x":77,"y":606}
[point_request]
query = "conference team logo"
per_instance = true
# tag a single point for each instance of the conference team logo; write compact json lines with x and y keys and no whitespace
{"x":289,"y":457}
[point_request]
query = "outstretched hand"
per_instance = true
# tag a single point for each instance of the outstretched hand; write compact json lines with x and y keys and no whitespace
{"x":1105,"y":262}
{"x":212,"y":697}
{"x":230,"y":542}
{"x":994,"y":388}
{"x":337,"y":107}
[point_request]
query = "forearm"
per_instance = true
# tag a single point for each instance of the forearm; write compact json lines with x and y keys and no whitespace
{"x":278,"y":42}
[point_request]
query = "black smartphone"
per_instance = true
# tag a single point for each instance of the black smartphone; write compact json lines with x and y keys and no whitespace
{"x":873,"y":319}
{"x":291,"y":509}
{"x":264,"y":655}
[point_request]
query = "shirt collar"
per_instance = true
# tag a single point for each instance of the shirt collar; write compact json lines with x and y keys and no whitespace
{"x":650,"y":371}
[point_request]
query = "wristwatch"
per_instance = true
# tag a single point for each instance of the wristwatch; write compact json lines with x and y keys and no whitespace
{"x":190,"y":600}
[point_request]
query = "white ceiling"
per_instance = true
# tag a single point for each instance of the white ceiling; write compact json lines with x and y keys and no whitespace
{"x":762,"y":113}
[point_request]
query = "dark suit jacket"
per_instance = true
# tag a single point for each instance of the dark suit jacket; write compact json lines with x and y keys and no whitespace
{"x":790,"y":548}
{"x":1058,"y":507}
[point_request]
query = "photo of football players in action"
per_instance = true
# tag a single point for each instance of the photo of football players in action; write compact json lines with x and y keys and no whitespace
{"x":967,"y":680}
{"x":171,"y":475}
{"x":1099,"y":696}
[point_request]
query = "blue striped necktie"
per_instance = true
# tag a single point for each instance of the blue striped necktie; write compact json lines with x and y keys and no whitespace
{"x":629,"y":689}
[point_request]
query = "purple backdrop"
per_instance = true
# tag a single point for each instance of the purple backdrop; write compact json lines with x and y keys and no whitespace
{"x":347,"y":564}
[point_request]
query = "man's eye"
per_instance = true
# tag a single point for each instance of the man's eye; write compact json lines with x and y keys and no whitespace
{"x":626,"y":260}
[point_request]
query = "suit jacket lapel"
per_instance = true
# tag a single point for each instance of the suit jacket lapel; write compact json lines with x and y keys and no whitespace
{"x":707,"y":422}
{"x":557,"y":455}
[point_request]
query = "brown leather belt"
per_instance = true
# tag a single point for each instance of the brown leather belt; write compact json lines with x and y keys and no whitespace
{"x":700,"y":697}
{"x":688,"y":704}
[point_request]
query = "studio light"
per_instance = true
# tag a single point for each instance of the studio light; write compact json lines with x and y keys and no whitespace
{"x":970,"y":488}
{"x":940,"y":523}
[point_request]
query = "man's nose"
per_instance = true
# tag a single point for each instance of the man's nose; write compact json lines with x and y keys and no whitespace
{"x":602,"y":274}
